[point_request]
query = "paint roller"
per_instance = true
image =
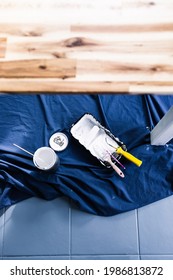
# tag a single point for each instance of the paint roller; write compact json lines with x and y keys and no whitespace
{"x":120,"y":151}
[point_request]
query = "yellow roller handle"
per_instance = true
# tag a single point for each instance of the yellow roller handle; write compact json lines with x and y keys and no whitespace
{"x":129,"y":156}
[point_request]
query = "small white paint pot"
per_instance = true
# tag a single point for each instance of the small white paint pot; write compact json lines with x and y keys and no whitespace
{"x":46,"y":159}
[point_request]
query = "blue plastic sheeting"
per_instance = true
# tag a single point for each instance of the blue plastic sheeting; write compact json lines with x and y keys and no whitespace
{"x":30,"y":120}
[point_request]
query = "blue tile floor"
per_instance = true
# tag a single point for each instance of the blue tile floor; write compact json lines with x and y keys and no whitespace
{"x":39,"y":229}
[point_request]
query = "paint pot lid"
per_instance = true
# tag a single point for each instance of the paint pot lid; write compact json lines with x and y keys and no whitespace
{"x":58,"y":141}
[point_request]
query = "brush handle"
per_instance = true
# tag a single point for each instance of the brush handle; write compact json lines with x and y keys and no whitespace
{"x":118,"y":171}
{"x":129,"y":156}
{"x":112,"y":156}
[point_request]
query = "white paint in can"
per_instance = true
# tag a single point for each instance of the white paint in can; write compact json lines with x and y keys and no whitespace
{"x":45,"y":159}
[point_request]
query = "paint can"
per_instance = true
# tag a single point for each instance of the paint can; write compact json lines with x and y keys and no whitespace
{"x":46,"y":159}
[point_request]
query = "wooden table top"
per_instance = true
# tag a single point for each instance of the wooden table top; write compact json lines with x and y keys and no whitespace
{"x":86,"y":46}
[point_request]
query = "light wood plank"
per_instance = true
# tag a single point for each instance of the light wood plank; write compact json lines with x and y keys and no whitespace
{"x":58,"y":68}
{"x":3,"y":42}
{"x":55,"y":85}
{"x":143,"y":27}
{"x":83,"y":44}
{"x":32,"y":29}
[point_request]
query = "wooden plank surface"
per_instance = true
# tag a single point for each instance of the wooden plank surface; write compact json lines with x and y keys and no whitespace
{"x":86,"y":46}
{"x":38,"y":68}
{"x":2,"y":47}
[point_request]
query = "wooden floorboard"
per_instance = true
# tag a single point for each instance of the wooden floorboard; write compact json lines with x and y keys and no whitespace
{"x":86,"y":46}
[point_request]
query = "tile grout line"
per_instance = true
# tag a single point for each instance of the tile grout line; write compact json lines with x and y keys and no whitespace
{"x":70,"y":231}
{"x":138,"y":235}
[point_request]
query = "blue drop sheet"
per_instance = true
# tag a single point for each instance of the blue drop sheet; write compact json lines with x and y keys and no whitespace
{"x":30,"y":120}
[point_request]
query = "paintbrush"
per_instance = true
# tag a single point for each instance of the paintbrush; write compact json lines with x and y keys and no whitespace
{"x":103,"y":155}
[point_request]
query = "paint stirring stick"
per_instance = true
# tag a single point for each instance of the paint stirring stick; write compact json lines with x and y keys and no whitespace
{"x":23,"y":149}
